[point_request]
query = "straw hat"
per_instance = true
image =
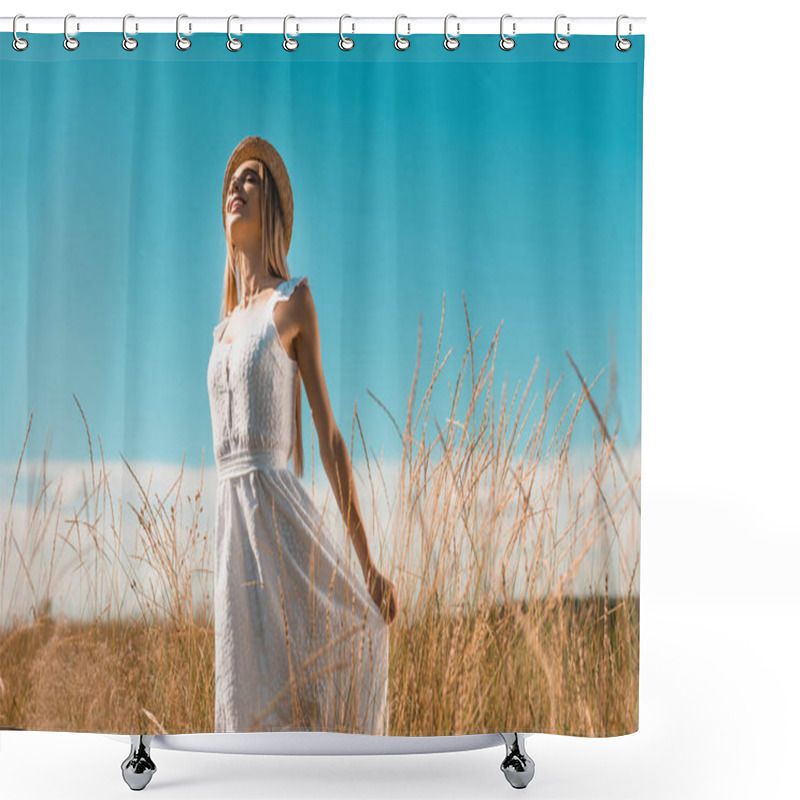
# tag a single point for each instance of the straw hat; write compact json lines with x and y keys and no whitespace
{"x":256,"y":147}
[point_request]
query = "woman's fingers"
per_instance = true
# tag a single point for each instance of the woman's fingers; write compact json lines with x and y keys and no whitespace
{"x":389,"y":601}
{"x":383,"y":593}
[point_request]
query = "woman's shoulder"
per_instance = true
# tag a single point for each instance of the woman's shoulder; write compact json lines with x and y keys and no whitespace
{"x":287,"y":288}
{"x":298,"y":280}
{"x":301,"y":308}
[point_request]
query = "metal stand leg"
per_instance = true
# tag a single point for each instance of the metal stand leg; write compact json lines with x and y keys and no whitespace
{"x":138,"y":767}
{"x":517,"y":766}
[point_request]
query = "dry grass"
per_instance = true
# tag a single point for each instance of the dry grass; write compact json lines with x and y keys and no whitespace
{"x":483,"y":512}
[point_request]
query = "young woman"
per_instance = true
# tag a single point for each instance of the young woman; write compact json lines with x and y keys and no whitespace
{"x":301,"y":638}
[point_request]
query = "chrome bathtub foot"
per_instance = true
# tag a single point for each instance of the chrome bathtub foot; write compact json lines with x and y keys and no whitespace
{"x":138,"y":767}
{"x":517,"y":766}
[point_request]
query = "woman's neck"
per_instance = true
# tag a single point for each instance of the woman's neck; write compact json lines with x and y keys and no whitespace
{"x":253,"y":276}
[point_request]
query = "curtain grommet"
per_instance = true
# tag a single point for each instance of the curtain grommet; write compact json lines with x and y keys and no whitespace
{"x":129,"y":43}
{"x":18,"y":43}
{"x":70,"y":42}
{"x":182,"y":43}
{"x":560,"y":42}
{"x":507,"y":42}
{"x":290,"y":44}
{"x":345,"y":42}
{"x":401,"y":42}
{"x":622,"y":44}
{"x":451,"y":42}
{"x":233,"y":44}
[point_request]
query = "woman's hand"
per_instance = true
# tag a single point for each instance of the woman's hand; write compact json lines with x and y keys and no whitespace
{"x":383,"y":593}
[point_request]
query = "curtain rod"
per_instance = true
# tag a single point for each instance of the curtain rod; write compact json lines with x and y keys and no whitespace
{"x":456,"y":25}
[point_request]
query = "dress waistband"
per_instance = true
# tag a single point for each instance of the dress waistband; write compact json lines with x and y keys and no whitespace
{"x":243,"y":461}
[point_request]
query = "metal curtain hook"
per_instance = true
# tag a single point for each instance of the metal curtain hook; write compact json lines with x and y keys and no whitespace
{"x":400,"y":42}
{"x":345,"y":42}
{"x":182,"y":43}
{"x":128,"y":42}
{"x":18,"y":43}
{"x":451,"y":42}
{"x":70,"y":42}
{"x":289,"y":43}
{"x":561,"y":43}
{"x":507,"y":42}
{"x":623,"y":44}
{"x":233,"y":44}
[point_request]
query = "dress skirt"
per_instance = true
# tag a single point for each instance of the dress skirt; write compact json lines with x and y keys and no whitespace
{"x":299,"y":642}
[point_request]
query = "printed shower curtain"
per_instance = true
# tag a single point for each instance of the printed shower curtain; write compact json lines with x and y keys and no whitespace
{"x":357,"y":450}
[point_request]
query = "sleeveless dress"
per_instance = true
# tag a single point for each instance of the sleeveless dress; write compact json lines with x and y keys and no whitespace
{"x":299,"y":641}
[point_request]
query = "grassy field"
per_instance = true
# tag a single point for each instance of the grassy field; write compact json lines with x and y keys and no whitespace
{"x":484,"y":512}
{"x":560,"y":667}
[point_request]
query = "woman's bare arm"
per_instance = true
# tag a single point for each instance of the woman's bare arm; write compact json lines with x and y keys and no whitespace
{"x":333,"y":448}
{"x":300,"y":325}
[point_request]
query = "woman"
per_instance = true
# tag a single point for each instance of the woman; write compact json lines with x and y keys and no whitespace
{"x":301,"y":639}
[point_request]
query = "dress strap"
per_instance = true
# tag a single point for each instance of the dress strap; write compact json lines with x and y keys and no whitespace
{"x":220,"y":326}
{"x":285,"y":290}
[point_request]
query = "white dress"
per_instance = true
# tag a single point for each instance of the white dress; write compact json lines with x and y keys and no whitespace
{"x":299,"y":642}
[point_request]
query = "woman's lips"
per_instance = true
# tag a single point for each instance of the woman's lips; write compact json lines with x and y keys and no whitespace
{"x":236,"y":204}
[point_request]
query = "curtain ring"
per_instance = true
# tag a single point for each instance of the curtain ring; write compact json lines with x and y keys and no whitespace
{"x":451,"y":42}
{"x":128,"y":42}
{"x":18,"y":43}
{"x":507,"y":42}
{"x":233,"y":44}
{"x":561,"y":43}
{"x":400,"y":42}
{"x":70,"y":42}
{"x":623,"y":44}
{"x":182,"y":43}
{"x":289,"y":43}
{"x":345,"y":42}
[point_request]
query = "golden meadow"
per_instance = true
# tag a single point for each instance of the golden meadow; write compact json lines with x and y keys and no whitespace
{"x":480,"y":515}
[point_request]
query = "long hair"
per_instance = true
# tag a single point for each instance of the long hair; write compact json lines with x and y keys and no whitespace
{"x":273,"y":252}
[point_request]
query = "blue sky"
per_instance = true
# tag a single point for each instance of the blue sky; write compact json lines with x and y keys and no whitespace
{"x":513,"y":177}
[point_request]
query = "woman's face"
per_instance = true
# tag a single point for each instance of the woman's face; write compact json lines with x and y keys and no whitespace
{"x":243,"y":202}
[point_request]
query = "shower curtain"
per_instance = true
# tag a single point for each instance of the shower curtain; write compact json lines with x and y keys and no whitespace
{"x":358,"y":450}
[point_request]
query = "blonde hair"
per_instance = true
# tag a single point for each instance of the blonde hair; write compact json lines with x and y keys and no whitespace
{"x":273,"y":252}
